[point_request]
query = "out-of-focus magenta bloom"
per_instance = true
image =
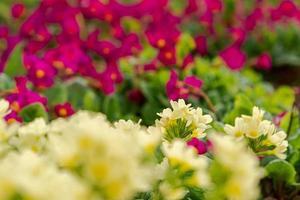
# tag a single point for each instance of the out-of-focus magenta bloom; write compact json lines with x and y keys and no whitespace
{"x":233,"y":57}
{"x":213,"y":5}
{"x":277,"y":119}
{"x":238,"y":35}
{"x":13,"y":117}
{"x":11,"y":42}
{"x":130,"y":45}
{"x":264,"y":61}
{"x":187,"y":61}
{"x":64,"y":110}
{"x":191,"y":7}
{"x":252,"y":19}
{"x":287,"y":8}
{"x":17,"y":10}
{"x":199,"y":145}
{"x":167,"y":56}
{"x":201,"y":45}
{"x":40,"y":73}
{"x":177,"y":89}
{"x":135,"y":95}
{"x":23,"y":96}
{"x":68,"y":58}
{"x":4,"y":31}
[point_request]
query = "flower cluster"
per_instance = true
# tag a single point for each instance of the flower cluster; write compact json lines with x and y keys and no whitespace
{"x":61,"y":40}
{"x":235,"y":170}
{"x":183,"y":121}
{"x":86,"y":157}
{"x":261,"y":134}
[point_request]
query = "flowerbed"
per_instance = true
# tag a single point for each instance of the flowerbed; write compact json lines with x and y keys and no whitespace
{"x":85,"y":84}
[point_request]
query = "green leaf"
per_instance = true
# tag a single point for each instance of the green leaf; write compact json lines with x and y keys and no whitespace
{"x":242,"y":105}
{"x":281,"y":171}
{"x":91,"y":101}
{"x":149,"y":113}
{"x":56,"y":94}
{"x":290,"y":123}
{"x":112,"y":107}
{"x":6,"y":82}
{"x":14,"y":65}
{"x":184,"y":46}
{"x":32,"y":111}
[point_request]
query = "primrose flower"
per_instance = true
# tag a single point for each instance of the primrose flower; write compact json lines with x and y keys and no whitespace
{"x":17,"y":10}
{"x":64,"y":110}
{"x":264,"y":61}
{"x":4,"y":108}
{"x":233,"y":57}
{"x":182,"y":121}
{"x":182,"y":159}
{"x":40,"y":73}
{"x":118,"y":173}
{"x":36,"y":178}
{"x":238,"y":167}
{"x":261,"y":135}
{"x":177,"y":89}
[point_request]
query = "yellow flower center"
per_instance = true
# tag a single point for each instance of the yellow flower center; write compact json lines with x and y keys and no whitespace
{"x":39,"y":73}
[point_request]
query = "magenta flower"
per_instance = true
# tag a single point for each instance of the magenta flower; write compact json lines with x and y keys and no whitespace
{"x":214,"y":5}
{"x":264,"y":61}
{"x":287,"y":8}
{"x":40,"y":73}
{"x":277,"y":119}
{"x":23,"y":96}
{"x":13,"y":117}
{"x":233,"y":57}
{"x":167,"y":56}
{"x":4,"y":32}
{"x":136,"y":96}
{"x":64,"y":110}
{"x":177,"y":89}
{"x":201,"y":45}
{"x":199,"y":145}
{"x":17,"y":10}
{"x":253,"y":19}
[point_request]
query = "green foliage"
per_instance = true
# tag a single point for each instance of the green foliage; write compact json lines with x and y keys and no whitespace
{"x":32,"y":111}
{"x":14,"y":66}
{"x":281,"y":171}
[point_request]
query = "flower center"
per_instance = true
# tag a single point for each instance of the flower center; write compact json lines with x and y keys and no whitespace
{"x":168,"y":55}
{"x":63,"y":112}
{"x":15,"y":106}
{"x":161,"y":43}
{"x":39,"y":73}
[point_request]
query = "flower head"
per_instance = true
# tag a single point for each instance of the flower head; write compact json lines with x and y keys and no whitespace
{"x":182,"y":121}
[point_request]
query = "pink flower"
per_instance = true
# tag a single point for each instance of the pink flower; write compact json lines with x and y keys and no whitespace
{"x":40,"y":73}
{"x":233,"y":57}
{"x":177,"y":89}
{"x":135,"y":95}
{"x":23,"y":96}
{"x":201,"y":45}
{"x":167,"y":56}
{"x":64,"y":110}
{"x":277,"y":119}
{"x":199,"y":145}
{"x":13,"y":117}
{"x":214,"y":5}
{"x":17,"y":10}
{"x":287,"y":8}
{"x":264,"y":61}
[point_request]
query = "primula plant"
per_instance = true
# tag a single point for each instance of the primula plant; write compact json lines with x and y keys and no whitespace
{"x":84,"y":156}
{"x":149,"y":99}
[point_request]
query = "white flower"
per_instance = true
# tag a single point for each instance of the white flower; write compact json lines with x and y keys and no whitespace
{"x":109,"y":157}
{"x":32,"y":177}
{"x":240,"y":166}
{"x":32,"y":135}
{"x":186,"y":158}
{"x":4,"y":108}
{"x":265,"y":139}
{"x":182,"y":121}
